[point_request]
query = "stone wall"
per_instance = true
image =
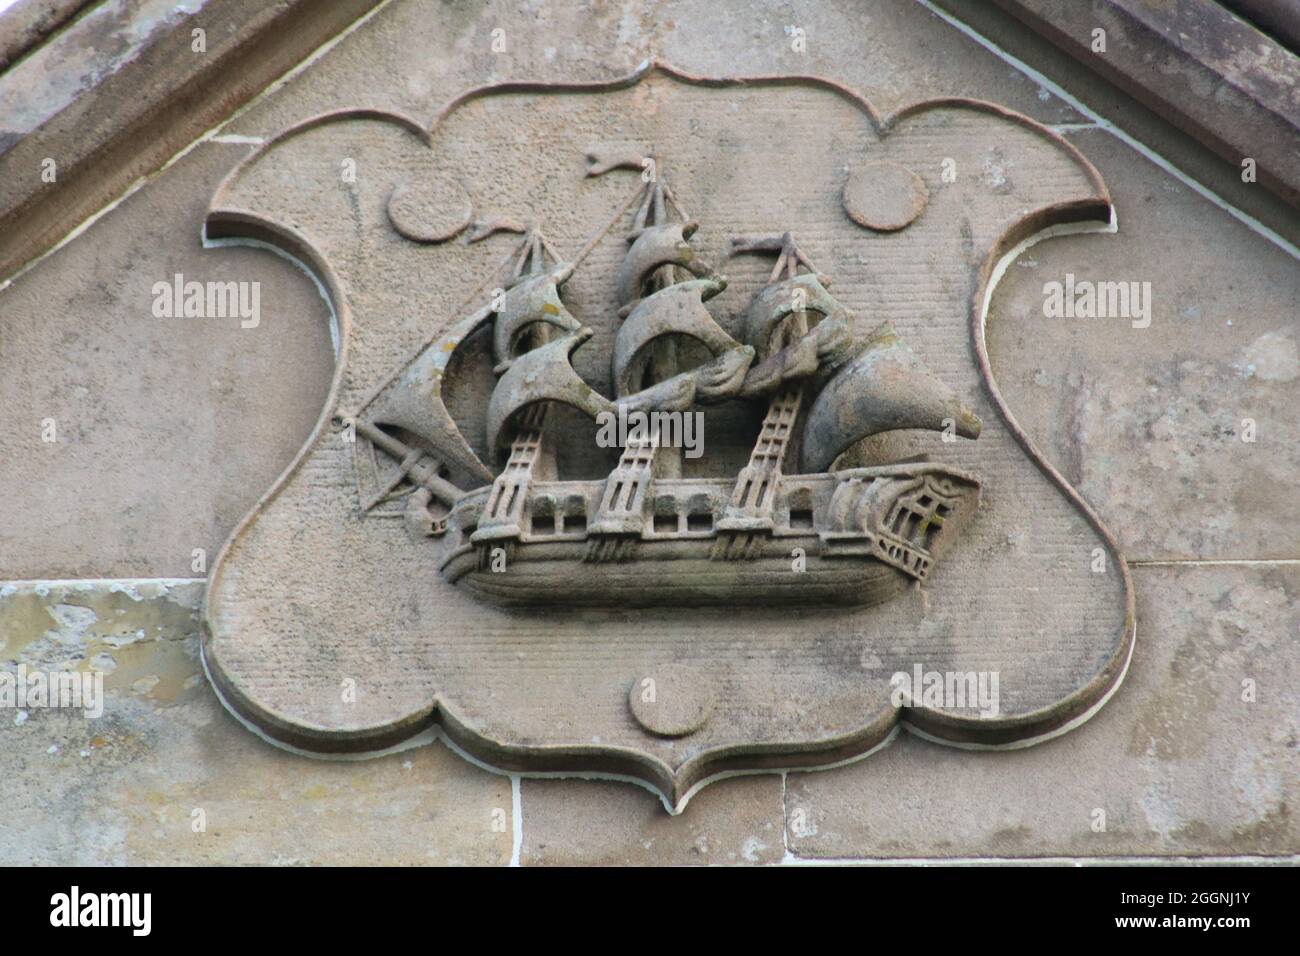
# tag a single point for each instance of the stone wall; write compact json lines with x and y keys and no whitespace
{"x":168,"y":430}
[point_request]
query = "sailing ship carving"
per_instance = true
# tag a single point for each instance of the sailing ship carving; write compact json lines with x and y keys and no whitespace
{"x":817,"y":534}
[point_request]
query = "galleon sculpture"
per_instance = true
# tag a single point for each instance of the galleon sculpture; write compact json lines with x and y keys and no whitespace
{"x":646,"y":534}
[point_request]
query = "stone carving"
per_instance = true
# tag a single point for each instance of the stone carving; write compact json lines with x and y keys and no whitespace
{"x":885,"y":196}
{"x":645,"y":533}
{"x":456,"y":551}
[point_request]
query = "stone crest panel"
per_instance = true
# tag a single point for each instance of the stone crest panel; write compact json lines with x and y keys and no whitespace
{"x":663,"y":442}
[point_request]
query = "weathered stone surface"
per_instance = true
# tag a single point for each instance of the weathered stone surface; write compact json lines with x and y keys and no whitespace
{"x":124,"y":87}
{"x":1148,"y":422}
{"x":131,"y":786}
{"x":55,"y":307}
{"x":106,"y":40}
{"x":548,"y":692}
{"x":587,"y":822}
{"x":1170,"y":781}
{"x":1150,"y":129}
{"x":1178,"y":761}
{"x":132,"y":632}
{"x":27,"y":22}
{"x":385,"y":63}
{"x":1211,"y":785}
{"x":168,"y":429}
{"x":1221,"y":78}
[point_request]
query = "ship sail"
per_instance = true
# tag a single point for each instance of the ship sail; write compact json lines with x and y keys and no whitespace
{"x":534,"y":299}
{"x":676,"y":309}
{"x":776,"y":325}
{"x":883,"y":388}
{"x":543,"y":374}
{"x":656,"y":246}
{"x":413,"y":401}
{"x":777,"y":328}
{"x":777,"y":301}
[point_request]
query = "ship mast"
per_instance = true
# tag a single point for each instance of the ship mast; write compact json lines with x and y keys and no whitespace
{"x":667,"y":462}
{"x":531,"y":457}
{"x":749,"y":515}
{"x":620,"y":518}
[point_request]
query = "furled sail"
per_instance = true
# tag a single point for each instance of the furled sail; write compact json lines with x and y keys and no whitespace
{"x":414,"y":399}
{"x":534,"y":298}
{"x":657,"y":246}
{"x":706,"y":384}
{"x":883,"y":388}
{"x":541,"y":375}
{"x":777,"y":301}
{"x":787,"y":351}
{"x":675,"y":310}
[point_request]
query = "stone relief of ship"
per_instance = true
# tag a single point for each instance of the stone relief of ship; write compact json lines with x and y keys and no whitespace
{"x":791,"y":528}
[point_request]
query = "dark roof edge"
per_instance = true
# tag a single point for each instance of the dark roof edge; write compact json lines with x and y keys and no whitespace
{"x":128,"y":121}
{"x":30,"y":23}
{"x":1185,"y":62}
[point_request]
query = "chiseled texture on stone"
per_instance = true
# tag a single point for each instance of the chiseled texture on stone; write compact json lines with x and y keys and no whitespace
{"x":589,"y":822}
{"x":130,"y":83}
{"x":69,"y":64}
{"x":1181,"y":765}
{"x":363,"y":602}
{"x":1148,"y":423}
{"x":124,"y":788}
{"x":175,"y":440}
{"x":1154,"y":130}
{"x":387,"y":64}
{"x":28,"y":22}
{"x":168,"y":429}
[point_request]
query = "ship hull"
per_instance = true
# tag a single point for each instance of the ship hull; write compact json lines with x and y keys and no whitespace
{"x":676,"y":574}
{"x":844,"y":539}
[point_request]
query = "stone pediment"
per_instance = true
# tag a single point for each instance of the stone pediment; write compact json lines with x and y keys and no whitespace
{"x":356,"y":608}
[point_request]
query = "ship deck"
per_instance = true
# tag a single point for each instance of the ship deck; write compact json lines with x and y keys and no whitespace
{"x":831,"y":539}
